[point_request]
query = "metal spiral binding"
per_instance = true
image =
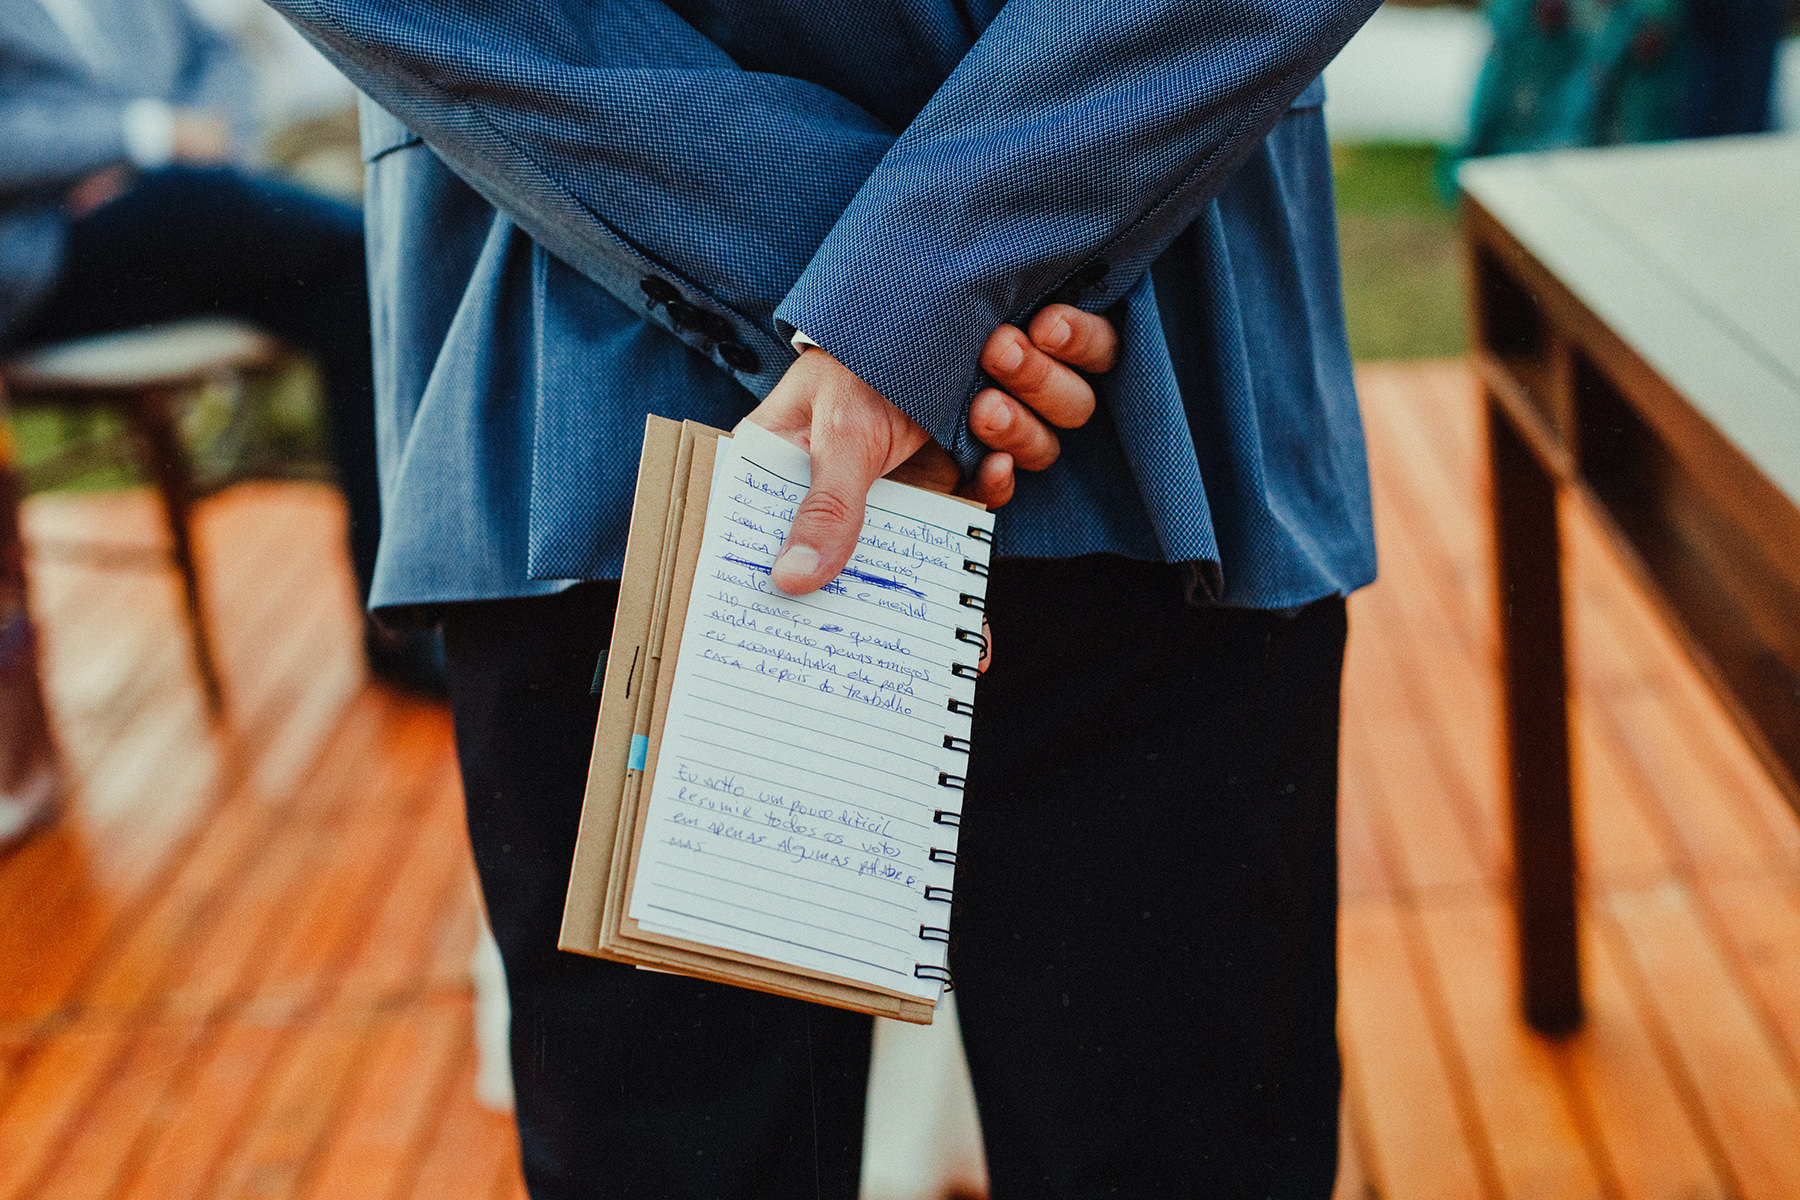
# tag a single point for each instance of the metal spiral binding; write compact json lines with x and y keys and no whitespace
{"x":941,"y":974}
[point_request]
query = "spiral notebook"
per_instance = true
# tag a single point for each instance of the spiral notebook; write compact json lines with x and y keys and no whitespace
{"x":776,"y":783}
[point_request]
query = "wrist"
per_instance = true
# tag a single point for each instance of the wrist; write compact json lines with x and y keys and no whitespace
{"x":149,"y":127}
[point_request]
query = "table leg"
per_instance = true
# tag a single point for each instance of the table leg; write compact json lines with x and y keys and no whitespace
{"x":1535,"y":708}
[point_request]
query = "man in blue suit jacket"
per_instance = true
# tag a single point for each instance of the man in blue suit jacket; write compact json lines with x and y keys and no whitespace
{"x":580,"y":213}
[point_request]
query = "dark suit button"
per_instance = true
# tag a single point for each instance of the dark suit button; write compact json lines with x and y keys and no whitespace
{"x":711,"y":326}
{"x":740,"y":357}
{"x":682,"y":314}
{"x":1085,"y":279}
{"x":660,"y":291}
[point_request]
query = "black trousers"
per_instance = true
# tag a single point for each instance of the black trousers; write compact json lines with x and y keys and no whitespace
{"x":1145,"y":923}
{"x":215,"y":241}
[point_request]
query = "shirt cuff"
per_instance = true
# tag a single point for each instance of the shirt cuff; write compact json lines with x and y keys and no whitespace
{"x":149,"y":134}
{"x":800,"y":341}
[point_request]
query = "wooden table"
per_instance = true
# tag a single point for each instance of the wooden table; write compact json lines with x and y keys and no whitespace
{"x":1637,"y":333}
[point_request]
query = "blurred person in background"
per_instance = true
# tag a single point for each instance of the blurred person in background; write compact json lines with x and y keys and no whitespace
{"x":1567,"y":73}
{"x":123,"y":203}
{"x":1731,"y":76}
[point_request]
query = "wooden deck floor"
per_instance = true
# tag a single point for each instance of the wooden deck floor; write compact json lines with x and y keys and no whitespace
{"x":238,"y":969}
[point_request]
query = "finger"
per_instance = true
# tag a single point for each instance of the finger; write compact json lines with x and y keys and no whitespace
{"x":830,"y":517}
{"x":991,"y":486}
{"x":786,"y":420}
{"x":931,"y":468}
{"x":1002,"y":423}
{"x":1084,"y":340}
{"x":1050,"y":389}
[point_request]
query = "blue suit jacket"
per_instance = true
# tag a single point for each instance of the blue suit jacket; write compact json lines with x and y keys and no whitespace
{"x":581,"y":213}
{"x":62,"y":116}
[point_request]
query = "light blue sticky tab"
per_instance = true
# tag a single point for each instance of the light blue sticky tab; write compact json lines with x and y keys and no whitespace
{"x":640,"y":750}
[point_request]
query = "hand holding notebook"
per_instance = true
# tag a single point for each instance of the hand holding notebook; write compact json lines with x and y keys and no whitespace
{"x":805,"y":754}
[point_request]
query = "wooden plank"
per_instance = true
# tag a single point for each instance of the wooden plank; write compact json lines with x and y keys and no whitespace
{"x":328,"y":890}
{"x":398,"y":1095}
{"x":224,"y":966}
{"x":120,"y":611}
{"x":276,"y":1150}
{"x":509,"y":1185}
{"x":205,"y":903}
{"x":1759,"y":920}
{"x":453,"y":937}
{"x":466,"y":1143}
{"x":97,"y":1155}
{"x":1437,"y":494}
{"x":1536,"y":1141}
{"x":51,"y":1089}
{"x":1363,"y":873}
{"x":1452,"y":706}
{"x":1643,"y":1119}
{"x":1425,"y":1137}
{"x":1711,"y":836}
{"x":46,"y":879}
{"x":207,"y":1115}
{"x":1449,"y":685}
{"x":1435,"y":850}
{"x":1726,"y":1054}
{"x":392,"y":950}
{"x":327,"y":906}
{"x":1621,"y":845}
{"x":171,"y":929}
{"x":1353,"y":1182}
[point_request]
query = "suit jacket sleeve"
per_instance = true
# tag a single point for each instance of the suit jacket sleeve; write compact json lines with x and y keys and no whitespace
{"x":58,"y":125}
{"x":1068,"y":148}
{"x":625,"y":143}
{"x":53,"y":132}
{"x":218,"y":78}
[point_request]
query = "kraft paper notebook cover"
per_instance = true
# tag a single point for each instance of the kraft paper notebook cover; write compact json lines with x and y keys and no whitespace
{"x":776,"y":783}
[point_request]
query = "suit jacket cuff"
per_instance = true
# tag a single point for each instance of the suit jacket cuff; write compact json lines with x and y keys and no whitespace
{"x":923,"y":357}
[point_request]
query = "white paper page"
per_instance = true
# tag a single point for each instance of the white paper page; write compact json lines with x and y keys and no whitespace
{"x":800,"y":788}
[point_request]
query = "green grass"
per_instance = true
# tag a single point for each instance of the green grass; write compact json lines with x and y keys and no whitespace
{"x":1403,"y":284}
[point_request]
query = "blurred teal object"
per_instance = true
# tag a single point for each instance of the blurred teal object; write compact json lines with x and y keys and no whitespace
{"x":1579,"y":73}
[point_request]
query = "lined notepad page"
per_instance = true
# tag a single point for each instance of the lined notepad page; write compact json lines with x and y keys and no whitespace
{"x":807,"y":782}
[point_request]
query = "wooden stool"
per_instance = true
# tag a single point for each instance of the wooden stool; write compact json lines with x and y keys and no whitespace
{"x":143,"y":375}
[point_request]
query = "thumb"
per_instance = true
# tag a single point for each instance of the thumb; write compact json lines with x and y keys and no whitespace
{"x":830,"y":519}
